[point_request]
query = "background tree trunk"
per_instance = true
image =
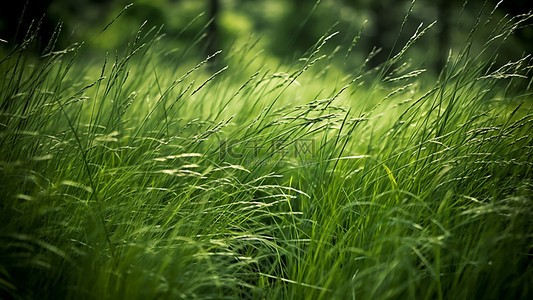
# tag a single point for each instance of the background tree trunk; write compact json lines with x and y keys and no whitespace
{"x":213,"y":43}
{"x":443,"y":44}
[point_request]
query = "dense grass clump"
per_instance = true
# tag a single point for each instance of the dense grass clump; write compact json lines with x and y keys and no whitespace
{"x":144,"y":176}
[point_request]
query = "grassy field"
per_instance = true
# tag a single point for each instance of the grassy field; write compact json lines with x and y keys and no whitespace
{"x":147,"y":175}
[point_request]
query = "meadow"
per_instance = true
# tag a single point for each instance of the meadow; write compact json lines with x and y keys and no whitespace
{"x":139,"y":174}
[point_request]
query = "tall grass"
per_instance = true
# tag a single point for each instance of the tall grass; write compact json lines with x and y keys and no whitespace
{"x":145,"y":176}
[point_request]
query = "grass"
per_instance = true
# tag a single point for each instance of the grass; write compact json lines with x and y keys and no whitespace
{"x":147,"y":177}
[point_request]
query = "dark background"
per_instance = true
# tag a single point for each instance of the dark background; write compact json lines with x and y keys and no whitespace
{"x":286,"y":28}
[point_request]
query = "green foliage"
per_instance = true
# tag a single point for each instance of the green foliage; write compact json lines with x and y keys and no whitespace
{"x":143,"y":174}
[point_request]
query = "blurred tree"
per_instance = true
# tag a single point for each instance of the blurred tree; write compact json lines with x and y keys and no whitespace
{"x":287,"y":28}
{"x":212,"y":28}
{"x":443,"y":25}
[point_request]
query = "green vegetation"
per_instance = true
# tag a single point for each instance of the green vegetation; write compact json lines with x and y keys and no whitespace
{"x":145,"y":175}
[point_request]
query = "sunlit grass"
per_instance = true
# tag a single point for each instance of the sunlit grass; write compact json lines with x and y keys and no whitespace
{"x":148,"y":175}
